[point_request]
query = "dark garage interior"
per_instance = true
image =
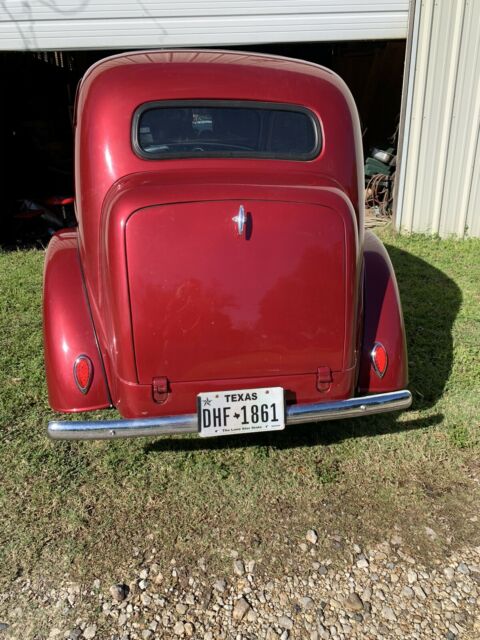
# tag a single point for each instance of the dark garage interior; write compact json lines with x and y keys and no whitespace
{"x":37,"y":114}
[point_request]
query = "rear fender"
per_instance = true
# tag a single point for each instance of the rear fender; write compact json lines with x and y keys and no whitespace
{"x":383,"y":321}
{"x":68,"y":330}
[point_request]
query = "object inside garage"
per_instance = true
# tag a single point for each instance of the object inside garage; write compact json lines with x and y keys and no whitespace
{"x":36,"y":135}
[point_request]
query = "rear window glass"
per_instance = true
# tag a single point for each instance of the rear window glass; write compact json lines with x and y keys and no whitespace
{"x":213,"y":129}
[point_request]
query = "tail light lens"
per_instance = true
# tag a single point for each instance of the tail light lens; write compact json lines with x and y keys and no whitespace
{"x":379,"y":359}
{"x":83,"y":373}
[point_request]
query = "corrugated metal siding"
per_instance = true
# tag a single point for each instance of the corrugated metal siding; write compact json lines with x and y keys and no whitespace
{"x":103,"y":24}
{"x":439,"y":175}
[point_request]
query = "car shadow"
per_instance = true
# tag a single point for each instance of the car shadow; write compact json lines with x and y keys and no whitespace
{"x":430,"y":301}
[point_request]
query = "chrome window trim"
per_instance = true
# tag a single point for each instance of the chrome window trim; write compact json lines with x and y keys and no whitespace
{"x":239,"y":104}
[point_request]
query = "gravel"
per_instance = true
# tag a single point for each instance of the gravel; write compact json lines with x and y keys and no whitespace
{"x":314,"y":598}
{"x":220,"y":585}
{"x":179,"y":628}
{"x":238,"y":568}
{"x":353,"y":602}
{"x":285,"y":622}
{"x":240,"y":609}
{"x":90,"y":632}
{"x":312,"y":536}
{"x":119,"y":592}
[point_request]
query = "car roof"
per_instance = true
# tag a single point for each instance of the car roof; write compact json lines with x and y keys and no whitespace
{"x":210,"y":57}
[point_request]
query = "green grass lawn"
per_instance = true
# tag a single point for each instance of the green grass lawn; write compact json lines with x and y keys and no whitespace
{"x":82,"y":507}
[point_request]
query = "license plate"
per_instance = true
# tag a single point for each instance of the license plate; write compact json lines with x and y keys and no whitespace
{"x":222,"y":413}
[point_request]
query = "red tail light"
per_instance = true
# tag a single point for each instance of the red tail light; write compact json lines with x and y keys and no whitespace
{"x":379,"y":359}
{"x":83,"y":373}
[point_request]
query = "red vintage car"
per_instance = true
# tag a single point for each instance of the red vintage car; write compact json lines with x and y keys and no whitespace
{"x":220,"y":280}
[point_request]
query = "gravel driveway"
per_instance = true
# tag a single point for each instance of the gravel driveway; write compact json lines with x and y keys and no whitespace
{"x":379,"y":592}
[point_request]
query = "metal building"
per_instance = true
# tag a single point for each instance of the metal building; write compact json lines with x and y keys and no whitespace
{"x":438,"y":186}
{"x":124,"y":24}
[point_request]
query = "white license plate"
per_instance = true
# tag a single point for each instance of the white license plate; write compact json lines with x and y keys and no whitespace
{"x":222,"y":413}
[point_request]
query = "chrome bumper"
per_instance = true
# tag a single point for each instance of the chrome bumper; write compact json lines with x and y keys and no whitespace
{"x":169,"y":425}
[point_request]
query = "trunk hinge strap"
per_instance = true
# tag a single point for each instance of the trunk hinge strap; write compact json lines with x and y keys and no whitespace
{"x":160,"y":389}
{"x":324,"y":378}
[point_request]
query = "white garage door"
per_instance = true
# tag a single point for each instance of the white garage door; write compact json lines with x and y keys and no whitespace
{"x":106,"y":24}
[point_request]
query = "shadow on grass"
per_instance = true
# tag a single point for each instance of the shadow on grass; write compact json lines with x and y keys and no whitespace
{"x":431,"y":301}
{"x":299,"y":436}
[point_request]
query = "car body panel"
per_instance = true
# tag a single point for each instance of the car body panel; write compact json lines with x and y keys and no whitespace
{"x":383,"y":321}
{"x":68,"y":329}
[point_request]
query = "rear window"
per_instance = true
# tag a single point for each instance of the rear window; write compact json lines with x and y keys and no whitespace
{"x":225,"y":129}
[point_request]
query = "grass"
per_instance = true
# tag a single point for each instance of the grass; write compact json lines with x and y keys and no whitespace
{"x":82,"y":507}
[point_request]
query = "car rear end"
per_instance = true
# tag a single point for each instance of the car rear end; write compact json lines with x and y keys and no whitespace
{"x":226,"y":272}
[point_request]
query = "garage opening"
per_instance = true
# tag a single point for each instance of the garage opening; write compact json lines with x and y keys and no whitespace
{"x":36,"y":134}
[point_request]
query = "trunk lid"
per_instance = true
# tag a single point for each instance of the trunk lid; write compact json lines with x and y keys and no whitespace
{"x":208,"y":303}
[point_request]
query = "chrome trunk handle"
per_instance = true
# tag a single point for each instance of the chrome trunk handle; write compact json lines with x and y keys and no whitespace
{"x":240,"y":219}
